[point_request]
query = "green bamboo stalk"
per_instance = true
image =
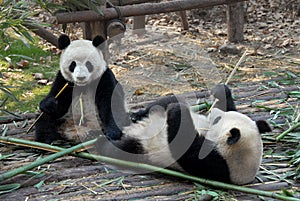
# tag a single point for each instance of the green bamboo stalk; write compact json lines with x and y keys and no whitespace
{"x":44,"y":160}
{"x":279,"y":137}
{"x":149,"y":168}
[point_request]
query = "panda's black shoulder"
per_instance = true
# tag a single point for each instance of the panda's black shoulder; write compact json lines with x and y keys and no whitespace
{"x":108,"y":77}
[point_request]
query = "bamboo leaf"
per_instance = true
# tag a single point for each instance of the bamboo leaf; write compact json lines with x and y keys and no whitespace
{"x":40,"y":184}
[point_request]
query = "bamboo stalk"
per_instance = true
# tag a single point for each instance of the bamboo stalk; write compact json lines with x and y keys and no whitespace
{"x":42,"y":113}
{"x":142,"y":166}
{"x":231,"y":75}
{"x":44,"y":160}
{"x":279,"y":137}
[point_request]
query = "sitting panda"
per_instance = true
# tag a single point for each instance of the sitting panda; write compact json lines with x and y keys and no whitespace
{"x":224,"y":145}
{"x":93,"y":98}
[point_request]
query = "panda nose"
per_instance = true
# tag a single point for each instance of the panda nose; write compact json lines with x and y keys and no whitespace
{"x":81,"y":78}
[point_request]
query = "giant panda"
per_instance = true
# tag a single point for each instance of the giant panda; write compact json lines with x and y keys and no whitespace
{"x":224,"y":145}
{"x":93,"y":98}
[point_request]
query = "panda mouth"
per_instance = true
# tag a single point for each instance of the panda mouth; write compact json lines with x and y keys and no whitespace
{"x":81,"y":83}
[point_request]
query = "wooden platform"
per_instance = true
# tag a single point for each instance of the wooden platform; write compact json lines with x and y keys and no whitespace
{"x":70,"y":178}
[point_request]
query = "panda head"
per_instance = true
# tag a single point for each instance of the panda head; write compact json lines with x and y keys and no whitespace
{"x":238,"y":140}
{"x":81,"y":61}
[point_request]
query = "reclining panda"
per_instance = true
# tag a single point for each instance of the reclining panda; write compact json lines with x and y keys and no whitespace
{"x":91,"y":99}
{"x":225,"y":145}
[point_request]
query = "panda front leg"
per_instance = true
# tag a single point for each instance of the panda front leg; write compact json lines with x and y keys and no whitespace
{"x":110,"y":102}
{"x":46,"y":130}
{"x":57,"y":107}
{"x":53,"y":108}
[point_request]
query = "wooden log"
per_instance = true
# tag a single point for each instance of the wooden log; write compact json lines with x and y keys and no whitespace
{"x":22,"y":117}
{"x":138,"y":10}
{"x":235,"y":22}
{"x":129,"y":2}
{"x":43,"y":33}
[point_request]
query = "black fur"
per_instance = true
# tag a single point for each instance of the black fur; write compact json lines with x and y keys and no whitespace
{"x":263,"y":126}
{"x":163,"y":102}
{"x":127,"y":148}
{"x":56,"y":108}
{"x":235,"y":136}
{"x":183,"y":138}
{"x":223,"y":94}
{"x":98,"y":40}
{"x":63,"y":42}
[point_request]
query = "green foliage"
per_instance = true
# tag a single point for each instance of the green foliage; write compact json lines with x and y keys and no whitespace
{"x":74,"y":5}
{"x":5,"y":90}
{"x":13,"y":17}
{"x":26,"y":88}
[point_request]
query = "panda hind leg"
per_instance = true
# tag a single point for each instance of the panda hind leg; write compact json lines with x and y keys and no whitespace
{"x":225,"y":100}
{"x":163,"y":102}
{"x":126,"y":148}
{"x":46,"y":130}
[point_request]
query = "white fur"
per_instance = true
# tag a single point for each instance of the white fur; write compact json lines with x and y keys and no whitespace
{"x":152,"y":133}
{"x":244,"y":157}
{"x":74,"y":130}
{"x":82,"y":51}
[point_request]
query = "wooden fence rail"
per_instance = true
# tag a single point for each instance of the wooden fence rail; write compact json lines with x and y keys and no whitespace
{"x":139,"y":9}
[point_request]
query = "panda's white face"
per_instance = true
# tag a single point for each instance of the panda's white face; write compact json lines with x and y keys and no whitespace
{"x":81,"y":62}
{"x":238,"y":140}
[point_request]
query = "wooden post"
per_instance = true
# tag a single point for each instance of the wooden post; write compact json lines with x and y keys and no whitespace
{"x":184,"y":21}
{"x":235,"y":22}
{"x":139,"y":22}
{"x":92,"y":29}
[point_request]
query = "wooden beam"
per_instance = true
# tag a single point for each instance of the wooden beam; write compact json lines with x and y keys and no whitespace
{"x":139,"y":9}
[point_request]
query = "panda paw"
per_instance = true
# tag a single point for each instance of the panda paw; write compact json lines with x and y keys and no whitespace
{"x":49,"y":105}
{"x":113,"y":133}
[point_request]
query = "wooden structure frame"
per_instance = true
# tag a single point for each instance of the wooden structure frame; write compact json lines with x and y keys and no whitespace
{"x":129,"y":8}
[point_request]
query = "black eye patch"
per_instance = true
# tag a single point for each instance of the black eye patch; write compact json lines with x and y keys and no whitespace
{"x":89,"y":66}
{"x":72,"y":66}
{"x":217,"y":120}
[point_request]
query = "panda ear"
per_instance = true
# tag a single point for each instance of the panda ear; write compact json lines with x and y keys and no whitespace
{"x":63,"y":42}
{"x":98,"y":40}
{"x":235,"y":135}
{"x":263,"y":126}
